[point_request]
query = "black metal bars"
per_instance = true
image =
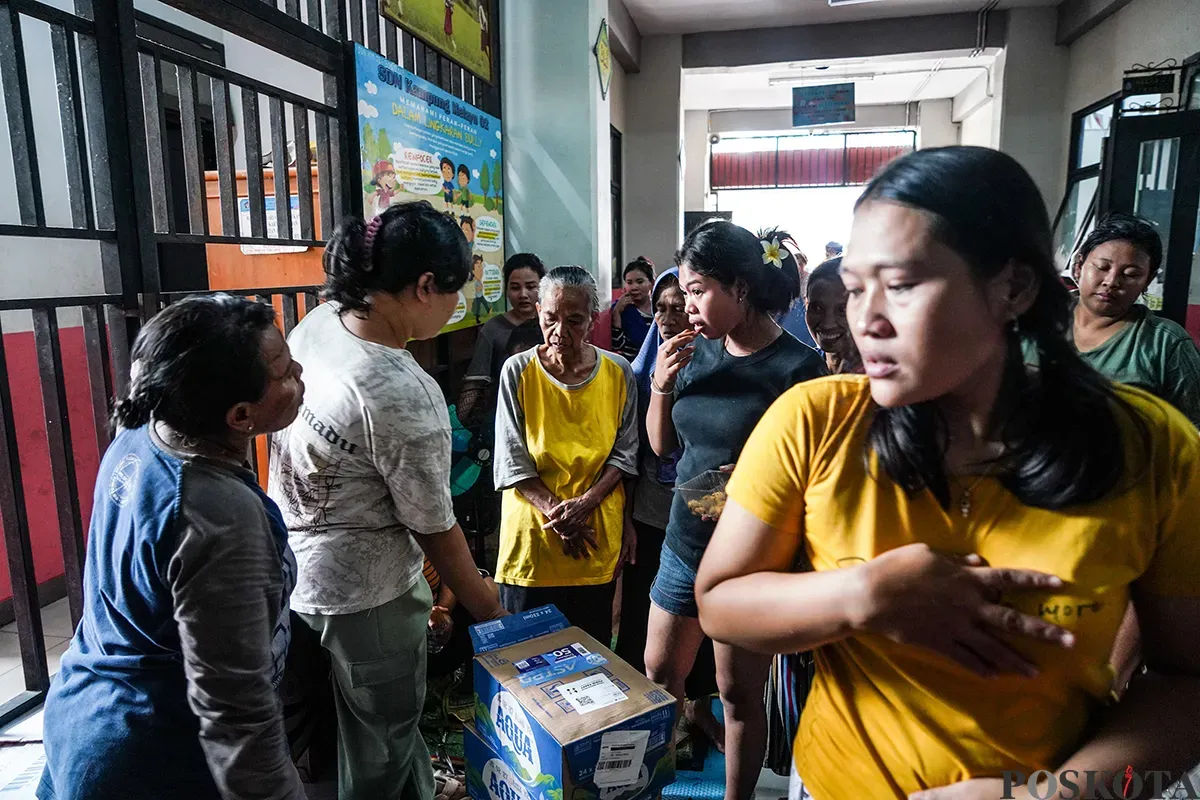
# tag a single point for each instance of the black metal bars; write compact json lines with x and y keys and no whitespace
{"x":62,"y":458}
{"x":20,"y":118}
{"x":289,"y":119}
{"x":18,"y":548}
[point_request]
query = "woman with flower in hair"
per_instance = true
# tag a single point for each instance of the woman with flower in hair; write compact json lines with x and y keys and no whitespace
{"x":710,"y":385}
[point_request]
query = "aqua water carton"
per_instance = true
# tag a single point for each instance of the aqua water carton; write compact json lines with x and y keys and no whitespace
{"x":559,"y":717}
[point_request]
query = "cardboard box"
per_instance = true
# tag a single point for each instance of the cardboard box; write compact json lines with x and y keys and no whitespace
{"x":562,"y":717}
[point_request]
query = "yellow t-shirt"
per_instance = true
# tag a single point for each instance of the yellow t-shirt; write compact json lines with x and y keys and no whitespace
{"x":885,"y":719}
{"x":565,"y":435}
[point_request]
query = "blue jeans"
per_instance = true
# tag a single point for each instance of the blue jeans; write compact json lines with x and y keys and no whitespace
{"x":674,"y":588}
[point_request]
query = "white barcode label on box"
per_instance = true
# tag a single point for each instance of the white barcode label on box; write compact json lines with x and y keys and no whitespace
{"x":621,"y":755}
{"x":592,"y":694}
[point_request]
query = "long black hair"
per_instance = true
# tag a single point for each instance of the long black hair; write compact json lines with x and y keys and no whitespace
{"x":409,"y":239}
{"x":1063,"y":441}
{"x":194,"y":361}
{"x":730,"y":254}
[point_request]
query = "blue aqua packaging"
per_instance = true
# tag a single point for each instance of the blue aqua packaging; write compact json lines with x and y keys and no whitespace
{"x":559,"y":717}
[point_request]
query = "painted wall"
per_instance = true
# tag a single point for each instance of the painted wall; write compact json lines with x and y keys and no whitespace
{"x":556,"y":135}
{"x":617,"y":92}
{"x":975,"y":108}
{"x":935,"y":124}
{"x":653,"y":144}
{"x":1033,"y":97}
{"x":977,"y":128}
{"x":695,"y":161}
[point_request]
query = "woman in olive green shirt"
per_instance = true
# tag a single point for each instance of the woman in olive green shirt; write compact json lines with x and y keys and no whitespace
{"x":1121,"y":338}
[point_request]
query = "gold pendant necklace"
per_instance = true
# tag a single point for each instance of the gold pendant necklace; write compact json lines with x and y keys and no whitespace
{"x":964,"y":501}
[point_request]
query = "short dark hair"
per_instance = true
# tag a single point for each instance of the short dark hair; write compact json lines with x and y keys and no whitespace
{"x":830,"y":270}
{"x":476,"y":257}
{"x":447,"y":162}
{"x":412,"y":239}
{"x":194,"y":361}
{"x":1121,"y":227}
{"x":522,"y":338}
{"x":730,"y":254}
{"x":639,"y":264}
{"x":463,"y":169}
{"x":466,"y":219}
{"x":523,"y":261}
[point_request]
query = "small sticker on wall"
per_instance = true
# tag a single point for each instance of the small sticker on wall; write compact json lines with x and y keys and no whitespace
{"x":592,"y":694}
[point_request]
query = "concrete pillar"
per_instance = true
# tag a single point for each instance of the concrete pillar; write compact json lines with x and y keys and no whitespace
{"x":695,"y":161}
{"x":557,"y":165}
{"x":653,"y":152}
{"x":1031,"y":96}
{"x":936,"y":126}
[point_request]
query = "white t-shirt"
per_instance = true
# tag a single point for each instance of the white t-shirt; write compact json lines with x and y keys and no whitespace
{"x":364,"y":467}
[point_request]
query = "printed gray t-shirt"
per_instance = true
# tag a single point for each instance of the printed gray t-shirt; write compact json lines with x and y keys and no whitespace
{"x":364,"y":467}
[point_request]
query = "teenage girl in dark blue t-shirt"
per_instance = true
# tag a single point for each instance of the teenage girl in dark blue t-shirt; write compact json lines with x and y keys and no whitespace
{"x":633,"y":313}
{"x":711,"y":385}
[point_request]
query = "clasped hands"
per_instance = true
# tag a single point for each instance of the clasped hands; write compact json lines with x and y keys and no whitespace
{"x":569,"y":519}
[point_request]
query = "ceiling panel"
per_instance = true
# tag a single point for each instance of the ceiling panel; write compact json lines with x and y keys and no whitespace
{"x":877,"y":81}
{"x":694,"y":16}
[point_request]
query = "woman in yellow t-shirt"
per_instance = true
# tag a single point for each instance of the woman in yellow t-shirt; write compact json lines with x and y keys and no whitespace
{"x":958,"y":537}
{"x":566,"y":437}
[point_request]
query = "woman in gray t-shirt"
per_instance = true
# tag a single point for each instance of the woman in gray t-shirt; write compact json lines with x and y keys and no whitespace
{"x":363,"y":480}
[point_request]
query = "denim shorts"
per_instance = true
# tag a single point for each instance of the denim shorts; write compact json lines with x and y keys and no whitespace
{"x":674,"y":587}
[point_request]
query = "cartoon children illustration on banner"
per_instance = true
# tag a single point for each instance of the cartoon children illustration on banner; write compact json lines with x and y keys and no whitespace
{"x":419,"y":142}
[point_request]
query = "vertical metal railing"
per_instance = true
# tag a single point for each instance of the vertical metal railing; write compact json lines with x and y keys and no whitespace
{"x":105,"y":365}
{"x":142,"y":205}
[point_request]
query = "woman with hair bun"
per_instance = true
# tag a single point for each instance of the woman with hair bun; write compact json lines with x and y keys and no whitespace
{"x":169,"y":686}
{"x":710,"y":385}
{"x":958,"y":535}
{"x":363,"y":478}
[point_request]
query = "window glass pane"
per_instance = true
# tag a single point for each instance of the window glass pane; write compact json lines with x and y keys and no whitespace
{"x":1079,"y":196}
{"x":1194,"y":91}
{"x":1092,"y":133}
{"x":1155,"y":198}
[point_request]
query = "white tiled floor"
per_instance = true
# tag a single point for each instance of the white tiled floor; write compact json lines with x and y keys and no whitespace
{"x":56,"y":632}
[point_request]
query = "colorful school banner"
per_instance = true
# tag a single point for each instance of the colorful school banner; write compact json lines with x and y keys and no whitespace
{"x":421,"y":143}
{"x":460,"y":29}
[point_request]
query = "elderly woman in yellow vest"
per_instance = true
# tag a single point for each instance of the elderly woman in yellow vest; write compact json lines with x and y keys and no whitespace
{"x":566,"y":440}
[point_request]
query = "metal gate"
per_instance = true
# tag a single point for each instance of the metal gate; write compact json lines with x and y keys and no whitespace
{"x":117,"y":165}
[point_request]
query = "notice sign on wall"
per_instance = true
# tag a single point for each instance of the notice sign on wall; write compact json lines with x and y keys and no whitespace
{"x":418,"y":142}
{"x":822,"y":105}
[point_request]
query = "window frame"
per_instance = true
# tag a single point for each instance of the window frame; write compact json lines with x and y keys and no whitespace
{"x":1076,"y":174}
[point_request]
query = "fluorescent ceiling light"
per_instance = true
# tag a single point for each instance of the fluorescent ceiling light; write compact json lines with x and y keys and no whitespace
{"x":836,"y":3}
{"x":817,"y":80}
